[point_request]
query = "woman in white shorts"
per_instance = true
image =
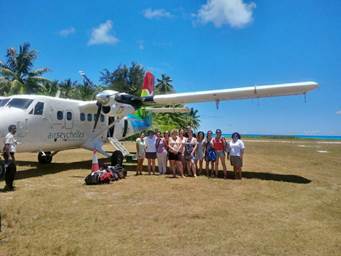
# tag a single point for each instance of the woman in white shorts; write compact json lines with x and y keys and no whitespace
{"x":199,"y":153}
{"x":190,"y":148}
{"x":140,"y":153}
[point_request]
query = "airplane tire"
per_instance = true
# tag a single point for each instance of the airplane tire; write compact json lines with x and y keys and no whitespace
{"x":45,"y":159}
{"x":117,"y":158}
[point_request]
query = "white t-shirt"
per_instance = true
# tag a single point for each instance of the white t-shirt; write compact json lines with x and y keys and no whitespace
{"x":236,"y":147}
{"x":141,"y":147}
{"x":9,"y":139}
{"x":150,"y":144}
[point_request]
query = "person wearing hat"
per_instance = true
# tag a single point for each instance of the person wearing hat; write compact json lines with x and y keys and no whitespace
{"x":236,"y":153}
{"x":9,"y":156}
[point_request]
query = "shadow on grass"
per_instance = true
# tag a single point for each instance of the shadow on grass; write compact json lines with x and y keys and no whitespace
{"x":46,"y":169}
{"x":267,"y":176}
{"x":38,"y":170}
{"x":276,"y":177}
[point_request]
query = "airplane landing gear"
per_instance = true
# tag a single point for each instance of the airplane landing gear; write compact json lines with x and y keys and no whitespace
{"x":44,"y":157}
{"x":117,"y":158}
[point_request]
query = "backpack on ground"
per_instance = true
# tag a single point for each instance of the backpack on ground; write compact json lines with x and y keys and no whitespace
{"x":92,"y":179}
{"x":105,"y":177}
{"x":118,"y":171}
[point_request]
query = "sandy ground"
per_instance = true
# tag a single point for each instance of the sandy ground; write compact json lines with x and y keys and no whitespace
{"x":288,"y":203}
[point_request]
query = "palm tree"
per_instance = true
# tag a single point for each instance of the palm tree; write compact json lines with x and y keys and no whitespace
{"x":49,"y":88}
{"x":67,"y":88}
{"x":193,"y":119}
{"x":124,"y":79}
{"x":17,"y":72}
{"x":164,"y":85}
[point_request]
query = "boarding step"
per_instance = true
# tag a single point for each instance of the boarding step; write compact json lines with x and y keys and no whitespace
{"x":118,"y":146}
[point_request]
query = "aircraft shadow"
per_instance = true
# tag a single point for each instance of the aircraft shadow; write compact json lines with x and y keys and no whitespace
{"x":46,"y":169}
{"x":276,"y":177}
{"x":268,"y":176}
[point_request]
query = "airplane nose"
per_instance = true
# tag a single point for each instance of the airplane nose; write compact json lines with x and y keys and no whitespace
{"x":3,"y":125}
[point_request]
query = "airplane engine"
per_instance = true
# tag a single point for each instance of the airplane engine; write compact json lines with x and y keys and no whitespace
{"x":118,"y":110}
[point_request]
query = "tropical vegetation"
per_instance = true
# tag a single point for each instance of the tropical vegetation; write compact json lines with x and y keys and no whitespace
{"x":17,"y":76}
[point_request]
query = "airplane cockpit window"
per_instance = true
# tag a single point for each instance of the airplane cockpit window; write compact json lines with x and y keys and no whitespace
{"x":19,"y":103}
{"x":3,"y":102}
{"x":60,"y":115}
{"x":68,"y":116}
{"x":39,"y":108}
{"x":89,"y":117}
{"x":82,"y":117}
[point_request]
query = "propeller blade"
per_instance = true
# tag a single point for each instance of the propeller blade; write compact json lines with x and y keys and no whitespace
{"x":99,"y":110}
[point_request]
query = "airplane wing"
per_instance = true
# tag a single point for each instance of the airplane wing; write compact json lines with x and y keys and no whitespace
{"x":168,"y":110}
{"x":236,"y":93}
{"x":88,"y":106}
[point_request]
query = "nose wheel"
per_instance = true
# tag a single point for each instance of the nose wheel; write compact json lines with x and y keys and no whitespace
{"x":45,"y":157}
{"x":117,"y":158}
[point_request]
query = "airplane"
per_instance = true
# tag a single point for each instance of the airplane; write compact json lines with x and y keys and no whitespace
{"x":48,"y":125}
{"x":338,"y":112}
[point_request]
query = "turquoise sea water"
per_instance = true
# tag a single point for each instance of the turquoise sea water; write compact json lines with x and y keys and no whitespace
{"x":307,"y":137}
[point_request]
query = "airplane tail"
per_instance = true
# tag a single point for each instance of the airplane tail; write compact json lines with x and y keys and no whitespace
{"x":148,"y":85}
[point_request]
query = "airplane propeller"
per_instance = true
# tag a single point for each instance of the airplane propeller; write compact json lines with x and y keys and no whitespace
{"x":99,"y":110}
{"x":104,"y":105}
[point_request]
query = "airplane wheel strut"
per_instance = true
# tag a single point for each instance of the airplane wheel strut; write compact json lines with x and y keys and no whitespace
{"x":45,"y":159}
{"x":117,"y":158}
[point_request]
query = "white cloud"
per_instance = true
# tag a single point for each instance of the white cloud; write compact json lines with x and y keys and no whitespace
{"x":156,"y":13}
{"x":235,"y":13}
{"x":101,"y":34}
{"x":67,"y":31}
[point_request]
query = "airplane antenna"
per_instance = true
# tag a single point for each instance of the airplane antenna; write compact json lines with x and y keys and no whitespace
{"x":85,"y":78}
{"x":305,"y":97}
{"x":217,"y":102}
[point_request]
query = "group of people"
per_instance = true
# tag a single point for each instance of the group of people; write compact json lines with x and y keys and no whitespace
{"x":187,"y":151}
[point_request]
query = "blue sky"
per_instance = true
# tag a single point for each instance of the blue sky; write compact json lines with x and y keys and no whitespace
{"x":202,"y":45}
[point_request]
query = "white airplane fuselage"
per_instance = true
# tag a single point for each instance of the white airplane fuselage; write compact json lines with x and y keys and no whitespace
{"x":54,"y":124}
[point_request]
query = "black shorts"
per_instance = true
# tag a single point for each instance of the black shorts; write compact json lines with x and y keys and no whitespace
{"x":151,"y":155}
{"x":173,"y":156}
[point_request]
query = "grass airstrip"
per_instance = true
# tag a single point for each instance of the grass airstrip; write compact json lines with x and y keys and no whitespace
{"x":288,"y":203}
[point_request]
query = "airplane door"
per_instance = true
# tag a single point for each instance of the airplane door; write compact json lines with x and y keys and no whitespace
{"x":69,"y":119}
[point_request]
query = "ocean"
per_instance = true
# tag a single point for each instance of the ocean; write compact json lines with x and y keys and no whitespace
{"x":303,"y":137}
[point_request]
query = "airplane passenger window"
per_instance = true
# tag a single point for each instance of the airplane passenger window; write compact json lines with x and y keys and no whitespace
{"x":19,"y":103}
{"x":89,"y":117}
{"x":102,"y":118}
{"x":82,"y":117}
{"x":39,"y":108}
{"x":60,"y":115}
{"x":68,"y":116}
